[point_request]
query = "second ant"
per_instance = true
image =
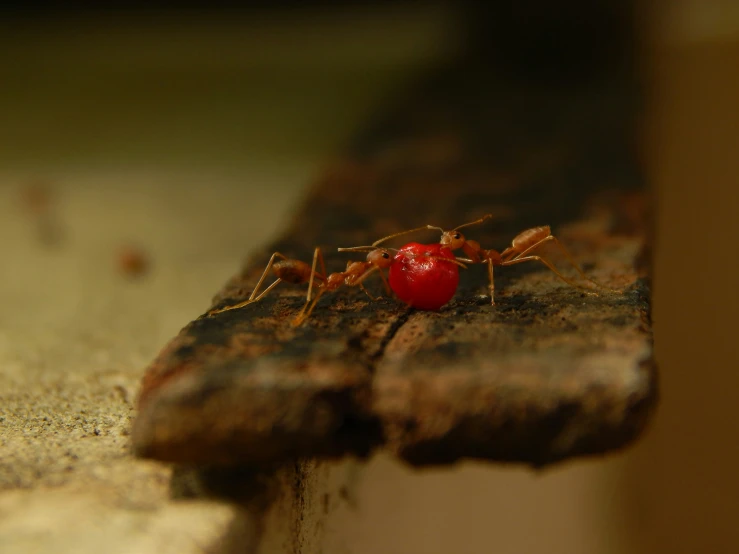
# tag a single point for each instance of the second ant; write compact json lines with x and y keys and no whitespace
{"x":520,"y":251}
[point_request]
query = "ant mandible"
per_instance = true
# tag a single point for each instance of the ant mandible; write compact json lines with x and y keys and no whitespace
{"x":520,"y":251}
{"x":298,"y":272}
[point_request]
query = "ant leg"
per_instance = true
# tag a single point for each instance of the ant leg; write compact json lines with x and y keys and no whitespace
{"x":253,"y":296}
{"x":567,"y":256}
{"x":521,"y":259}
{"x":570,"y":259}
{"x":374,"y":298}
{"x":388,"y":290}
{"x":264,"y":275}
{"x":492,"y":282}
{"x":317,"y":255}
{"x":461,"y":263}
{"x":363,"y":276}
{"x":247,"y":302}
{"x":303,"y":315}
{"x":456,"y":260}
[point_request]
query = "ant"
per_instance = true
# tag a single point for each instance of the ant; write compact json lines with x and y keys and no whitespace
{"x":298,"y":272}
{"x":520,"y":251}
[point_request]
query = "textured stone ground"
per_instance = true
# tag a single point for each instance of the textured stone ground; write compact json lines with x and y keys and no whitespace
{"x":75,"y":334}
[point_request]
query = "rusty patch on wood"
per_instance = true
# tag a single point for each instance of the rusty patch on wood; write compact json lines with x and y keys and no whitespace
{"x":548,"y":373}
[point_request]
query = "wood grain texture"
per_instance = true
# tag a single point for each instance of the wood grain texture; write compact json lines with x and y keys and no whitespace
{"x":548,"y":373}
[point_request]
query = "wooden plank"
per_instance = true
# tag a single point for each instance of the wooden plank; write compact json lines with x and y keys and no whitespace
{"x":547,"y":373}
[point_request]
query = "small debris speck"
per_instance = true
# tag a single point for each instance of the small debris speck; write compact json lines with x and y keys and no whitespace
{"x":132,"y":261}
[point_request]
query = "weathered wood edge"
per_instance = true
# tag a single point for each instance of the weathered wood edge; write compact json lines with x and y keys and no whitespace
{"x":246,"y":388}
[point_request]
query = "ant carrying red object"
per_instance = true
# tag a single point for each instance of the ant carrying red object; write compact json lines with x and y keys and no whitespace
{"x":519,"y":251}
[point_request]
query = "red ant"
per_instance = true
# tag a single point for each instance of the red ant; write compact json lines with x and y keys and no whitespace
{"x":298,"y":272}
{"x":520,"y":251}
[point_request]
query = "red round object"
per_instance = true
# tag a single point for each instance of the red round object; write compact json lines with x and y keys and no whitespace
{"x":422,"y":281}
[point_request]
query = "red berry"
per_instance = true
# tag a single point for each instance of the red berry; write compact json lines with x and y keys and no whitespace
{"x":420,"y":279}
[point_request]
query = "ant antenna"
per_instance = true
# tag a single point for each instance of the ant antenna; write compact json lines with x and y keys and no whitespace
{"x":443,"y":259}
{"x":397,"y":235}
{"x":476,"y":222}
{"x":371,"y":248}
{"x":365,"y":249}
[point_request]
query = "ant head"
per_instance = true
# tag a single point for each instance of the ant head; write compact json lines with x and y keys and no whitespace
{"x":453,"y":239}
{"x":380,"y":257}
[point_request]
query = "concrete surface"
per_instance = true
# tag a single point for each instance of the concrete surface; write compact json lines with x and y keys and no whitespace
{"x":75,"y":334}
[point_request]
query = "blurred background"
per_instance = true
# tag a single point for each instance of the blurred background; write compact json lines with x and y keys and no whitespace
{"x":144,"y":151}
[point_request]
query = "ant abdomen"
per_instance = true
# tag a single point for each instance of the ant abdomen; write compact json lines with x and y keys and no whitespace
{"x":292,"y":271}
{"x":529,"y":237}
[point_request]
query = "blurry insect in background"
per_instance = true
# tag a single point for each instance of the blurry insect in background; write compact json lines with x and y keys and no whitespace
{"x":132,"y":261}
{"x":39,"y":201}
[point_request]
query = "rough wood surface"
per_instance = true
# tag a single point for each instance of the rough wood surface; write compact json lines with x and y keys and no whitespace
{"x":547,"y":373}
